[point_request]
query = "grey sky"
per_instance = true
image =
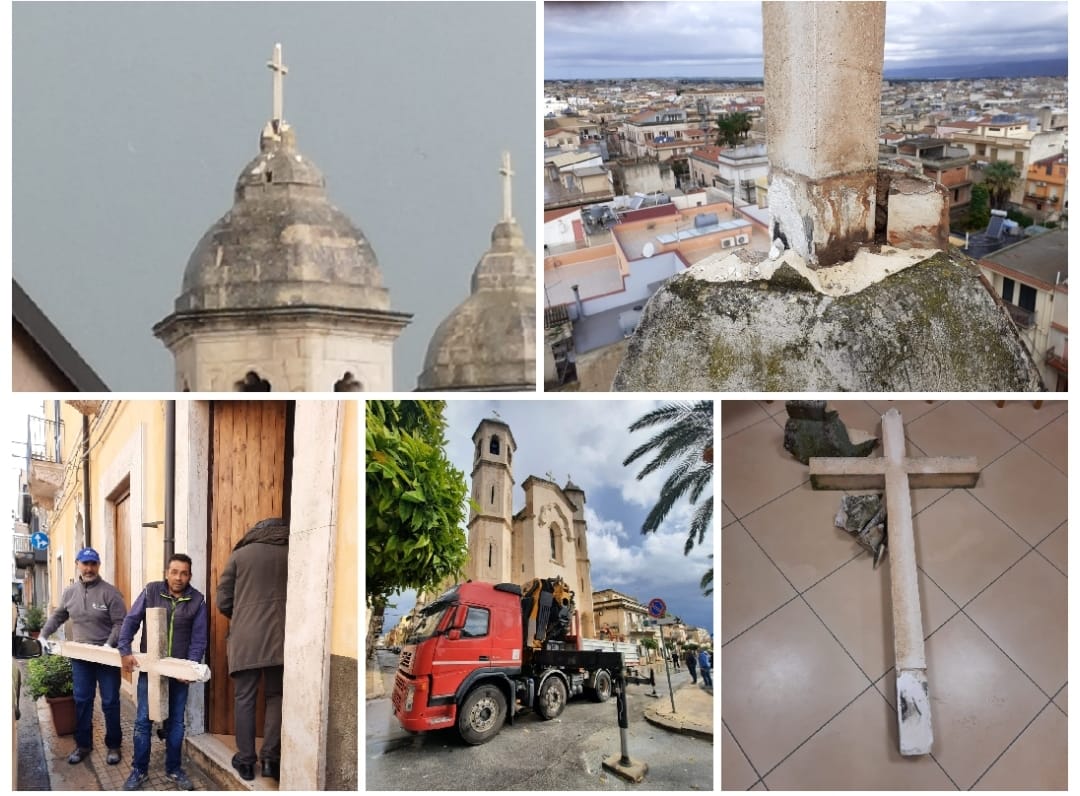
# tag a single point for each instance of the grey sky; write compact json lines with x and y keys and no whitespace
{"x":586,"y":441}
{"x":132,"y":121}
{"x":723,"y":39}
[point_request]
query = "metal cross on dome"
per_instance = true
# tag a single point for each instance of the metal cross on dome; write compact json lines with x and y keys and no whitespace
{"x":280,"y":70}
{"x":506,"y":173}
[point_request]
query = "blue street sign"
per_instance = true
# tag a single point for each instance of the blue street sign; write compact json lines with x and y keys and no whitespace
{"x":39,"y":541}
{"x":657,"y":607}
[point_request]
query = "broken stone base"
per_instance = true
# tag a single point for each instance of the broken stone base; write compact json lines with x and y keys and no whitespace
{"x":738,"y":324}
{"x":809,"y":436}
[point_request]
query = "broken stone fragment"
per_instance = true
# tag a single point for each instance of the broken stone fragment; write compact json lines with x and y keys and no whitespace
{"x":805,"y":438}
{"x":806,"y":410}
{"x":863,"y":516}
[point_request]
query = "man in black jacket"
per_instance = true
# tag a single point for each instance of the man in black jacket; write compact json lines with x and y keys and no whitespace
{"x":251,"y":593}
{"x":187,"y":633}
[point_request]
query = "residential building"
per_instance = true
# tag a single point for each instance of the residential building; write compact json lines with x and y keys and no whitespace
{"x":139,"y":480}
{"x":667,"y":125}
{"x":1046,"y":191}
{"x":42,"y":360}
{"x":946,"y":164}
{"x":734,"y":170}
{"x":1032,"y":279}
{"x":620,"y":617}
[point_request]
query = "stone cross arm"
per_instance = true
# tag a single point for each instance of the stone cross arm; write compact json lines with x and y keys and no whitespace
{"x":897,"y":474}
{"x":152,"y":662}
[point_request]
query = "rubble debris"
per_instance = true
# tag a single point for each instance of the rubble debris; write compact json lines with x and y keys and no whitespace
{"x":863,"y":516}
{"x":813,"y":430}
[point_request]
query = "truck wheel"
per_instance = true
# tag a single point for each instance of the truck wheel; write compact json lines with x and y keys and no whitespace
{"x":601,"y":691}
{"x":481,"y":715}
{"x":552,"y":697}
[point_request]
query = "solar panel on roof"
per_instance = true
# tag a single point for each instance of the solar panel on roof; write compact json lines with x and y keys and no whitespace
{"x":994,"y":230}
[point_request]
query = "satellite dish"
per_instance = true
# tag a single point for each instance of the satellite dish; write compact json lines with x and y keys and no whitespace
{"x":648,"y":250}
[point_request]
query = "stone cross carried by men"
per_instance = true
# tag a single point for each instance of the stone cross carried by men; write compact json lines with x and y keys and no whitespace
{"x":174,"y":641}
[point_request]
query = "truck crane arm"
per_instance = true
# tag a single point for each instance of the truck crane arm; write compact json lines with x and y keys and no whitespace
{"x":547,"y":611}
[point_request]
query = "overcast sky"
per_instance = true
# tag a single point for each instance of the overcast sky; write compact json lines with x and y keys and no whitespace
{"x":586,"y":442}
{"x":132,"y":121}
{"x":723,"y":39}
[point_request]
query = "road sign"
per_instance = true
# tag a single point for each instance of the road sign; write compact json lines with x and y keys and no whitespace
{"x":39,"y":541}
{"x":657,"y":608}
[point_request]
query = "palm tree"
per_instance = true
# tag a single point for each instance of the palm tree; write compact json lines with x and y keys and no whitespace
{"x":734,"y":127}
{"x":999,"y":178}
{"x":685,"y":440}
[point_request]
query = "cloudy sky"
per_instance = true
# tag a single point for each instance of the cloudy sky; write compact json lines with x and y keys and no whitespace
{"x":132,"y":121}
{"x":723,"y":39}
{"x":586,"y":441}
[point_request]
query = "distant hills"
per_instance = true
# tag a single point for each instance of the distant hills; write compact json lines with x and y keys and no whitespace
{"x":1052,"y":67}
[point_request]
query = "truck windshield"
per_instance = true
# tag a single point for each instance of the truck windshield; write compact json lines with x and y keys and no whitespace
{"x":428,"y":622}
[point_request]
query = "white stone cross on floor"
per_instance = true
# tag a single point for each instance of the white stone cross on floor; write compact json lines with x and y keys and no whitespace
{"x":280,"y":70}
{"x":506,"y":173}
{"x":152,"y":662}
{"x":897,"y":474}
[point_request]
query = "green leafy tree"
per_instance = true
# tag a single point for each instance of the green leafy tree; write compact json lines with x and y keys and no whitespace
{"x":416,"y":504}
{"x":999,"y":178}
{"x":979,"y":208}
{"x":684,"y":442}
{"x":734,"y":128}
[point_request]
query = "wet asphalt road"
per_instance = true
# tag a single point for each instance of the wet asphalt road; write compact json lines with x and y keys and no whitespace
{"x":532,"y":754}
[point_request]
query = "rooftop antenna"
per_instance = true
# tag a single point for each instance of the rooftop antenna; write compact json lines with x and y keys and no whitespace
{"x":506,"y":173}
{"x":280,"y":70}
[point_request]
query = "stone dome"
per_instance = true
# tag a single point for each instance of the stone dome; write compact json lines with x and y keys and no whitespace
{"x":489,"y":341}
{"x":282,"y":244}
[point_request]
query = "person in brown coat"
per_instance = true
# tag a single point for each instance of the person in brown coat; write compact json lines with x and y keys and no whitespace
{"x":251,"y":593}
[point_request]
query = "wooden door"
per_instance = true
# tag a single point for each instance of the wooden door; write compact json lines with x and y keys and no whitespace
{"x":248,"y":483}
{"x":122,"y":549}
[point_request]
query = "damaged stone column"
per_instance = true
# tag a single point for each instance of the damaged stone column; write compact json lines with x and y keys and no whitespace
{"x":823,"y":65}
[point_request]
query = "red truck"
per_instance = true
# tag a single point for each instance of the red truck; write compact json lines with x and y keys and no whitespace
{"x":481,"y":648}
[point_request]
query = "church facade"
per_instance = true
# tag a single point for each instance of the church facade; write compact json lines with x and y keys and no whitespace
{"x":547,"y":538}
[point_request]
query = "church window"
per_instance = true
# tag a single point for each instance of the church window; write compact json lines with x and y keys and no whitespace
{"x":491,"y":550}
{"x":252,"y":382}
{"x":348,"y":383}
{"x":492,"y":494}
{"x":476,"y":623}
{"x":494,"y":447}
{"x":554,"y":544}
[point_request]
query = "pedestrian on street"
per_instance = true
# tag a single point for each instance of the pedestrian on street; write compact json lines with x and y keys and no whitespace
{"x":691,"y":664}
{"x":705,"y":666}
{"x":675,"y":659}
{"x":251,"y":593}
{"x":187,"y":634}
{"x":96,"y":610}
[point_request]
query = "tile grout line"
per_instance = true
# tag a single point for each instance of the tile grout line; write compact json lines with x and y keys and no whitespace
{"x":1033,"y":433}
{"x":750,"y":762}
{"x":1009,"y":745}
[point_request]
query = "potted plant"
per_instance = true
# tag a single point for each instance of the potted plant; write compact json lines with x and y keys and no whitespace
{"x":34,"y":620}
{"x":50,"y":677}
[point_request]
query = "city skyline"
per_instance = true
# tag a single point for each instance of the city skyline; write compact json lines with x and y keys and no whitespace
{"x":718,"y":40}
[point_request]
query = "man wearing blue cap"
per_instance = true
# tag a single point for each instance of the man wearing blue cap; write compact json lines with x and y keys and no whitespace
{"x":96,"y":610}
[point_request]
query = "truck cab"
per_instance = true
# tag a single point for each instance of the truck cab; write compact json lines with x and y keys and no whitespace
{"x":470,"y":635}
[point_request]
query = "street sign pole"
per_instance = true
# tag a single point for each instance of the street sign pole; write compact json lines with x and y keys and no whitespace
{"x":667,"y":669}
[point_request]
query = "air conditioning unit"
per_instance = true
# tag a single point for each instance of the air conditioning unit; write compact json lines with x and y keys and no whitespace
{"x":742,"y":240}
{"x":727,"y":243}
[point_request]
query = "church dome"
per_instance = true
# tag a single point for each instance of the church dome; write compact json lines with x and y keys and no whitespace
{"x":282,"y":244}
{"x":488,"y":342}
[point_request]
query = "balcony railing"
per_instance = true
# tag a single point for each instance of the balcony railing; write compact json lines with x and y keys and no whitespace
{"x":1024,"y":318}
{"x":1058,"y":360}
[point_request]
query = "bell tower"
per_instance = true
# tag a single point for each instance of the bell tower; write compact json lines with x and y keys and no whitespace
{"x":492,"y":491}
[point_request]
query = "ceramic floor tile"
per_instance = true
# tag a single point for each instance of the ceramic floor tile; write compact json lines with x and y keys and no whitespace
{"x":751,"y":586}
{"x":1021,"y":417}
{"x":726,"y":517}
{"x":1028,"y":493}
{"x":962,"y":546}
{"x":736,"y":773}
{"x":1052,"y":443}
{"x":737,"y":415}
{"x":861,"y":416}
{"x":855,"y":603}
{"x":858,"y":750}
{"x":782,"y":680}
{"x":775,"y":408}
{"x":956,"y":428}
{"x":1056,"y":548}
{"x":758,"y":786}
{"x":979,"y":700}
{"x":1062,"y":699}
{"x":909,"y":410}
{"x":755,"y":468}
{"x":799,"y":534}
{"x":1025,"y":613}
{"x":1038,"y":760}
